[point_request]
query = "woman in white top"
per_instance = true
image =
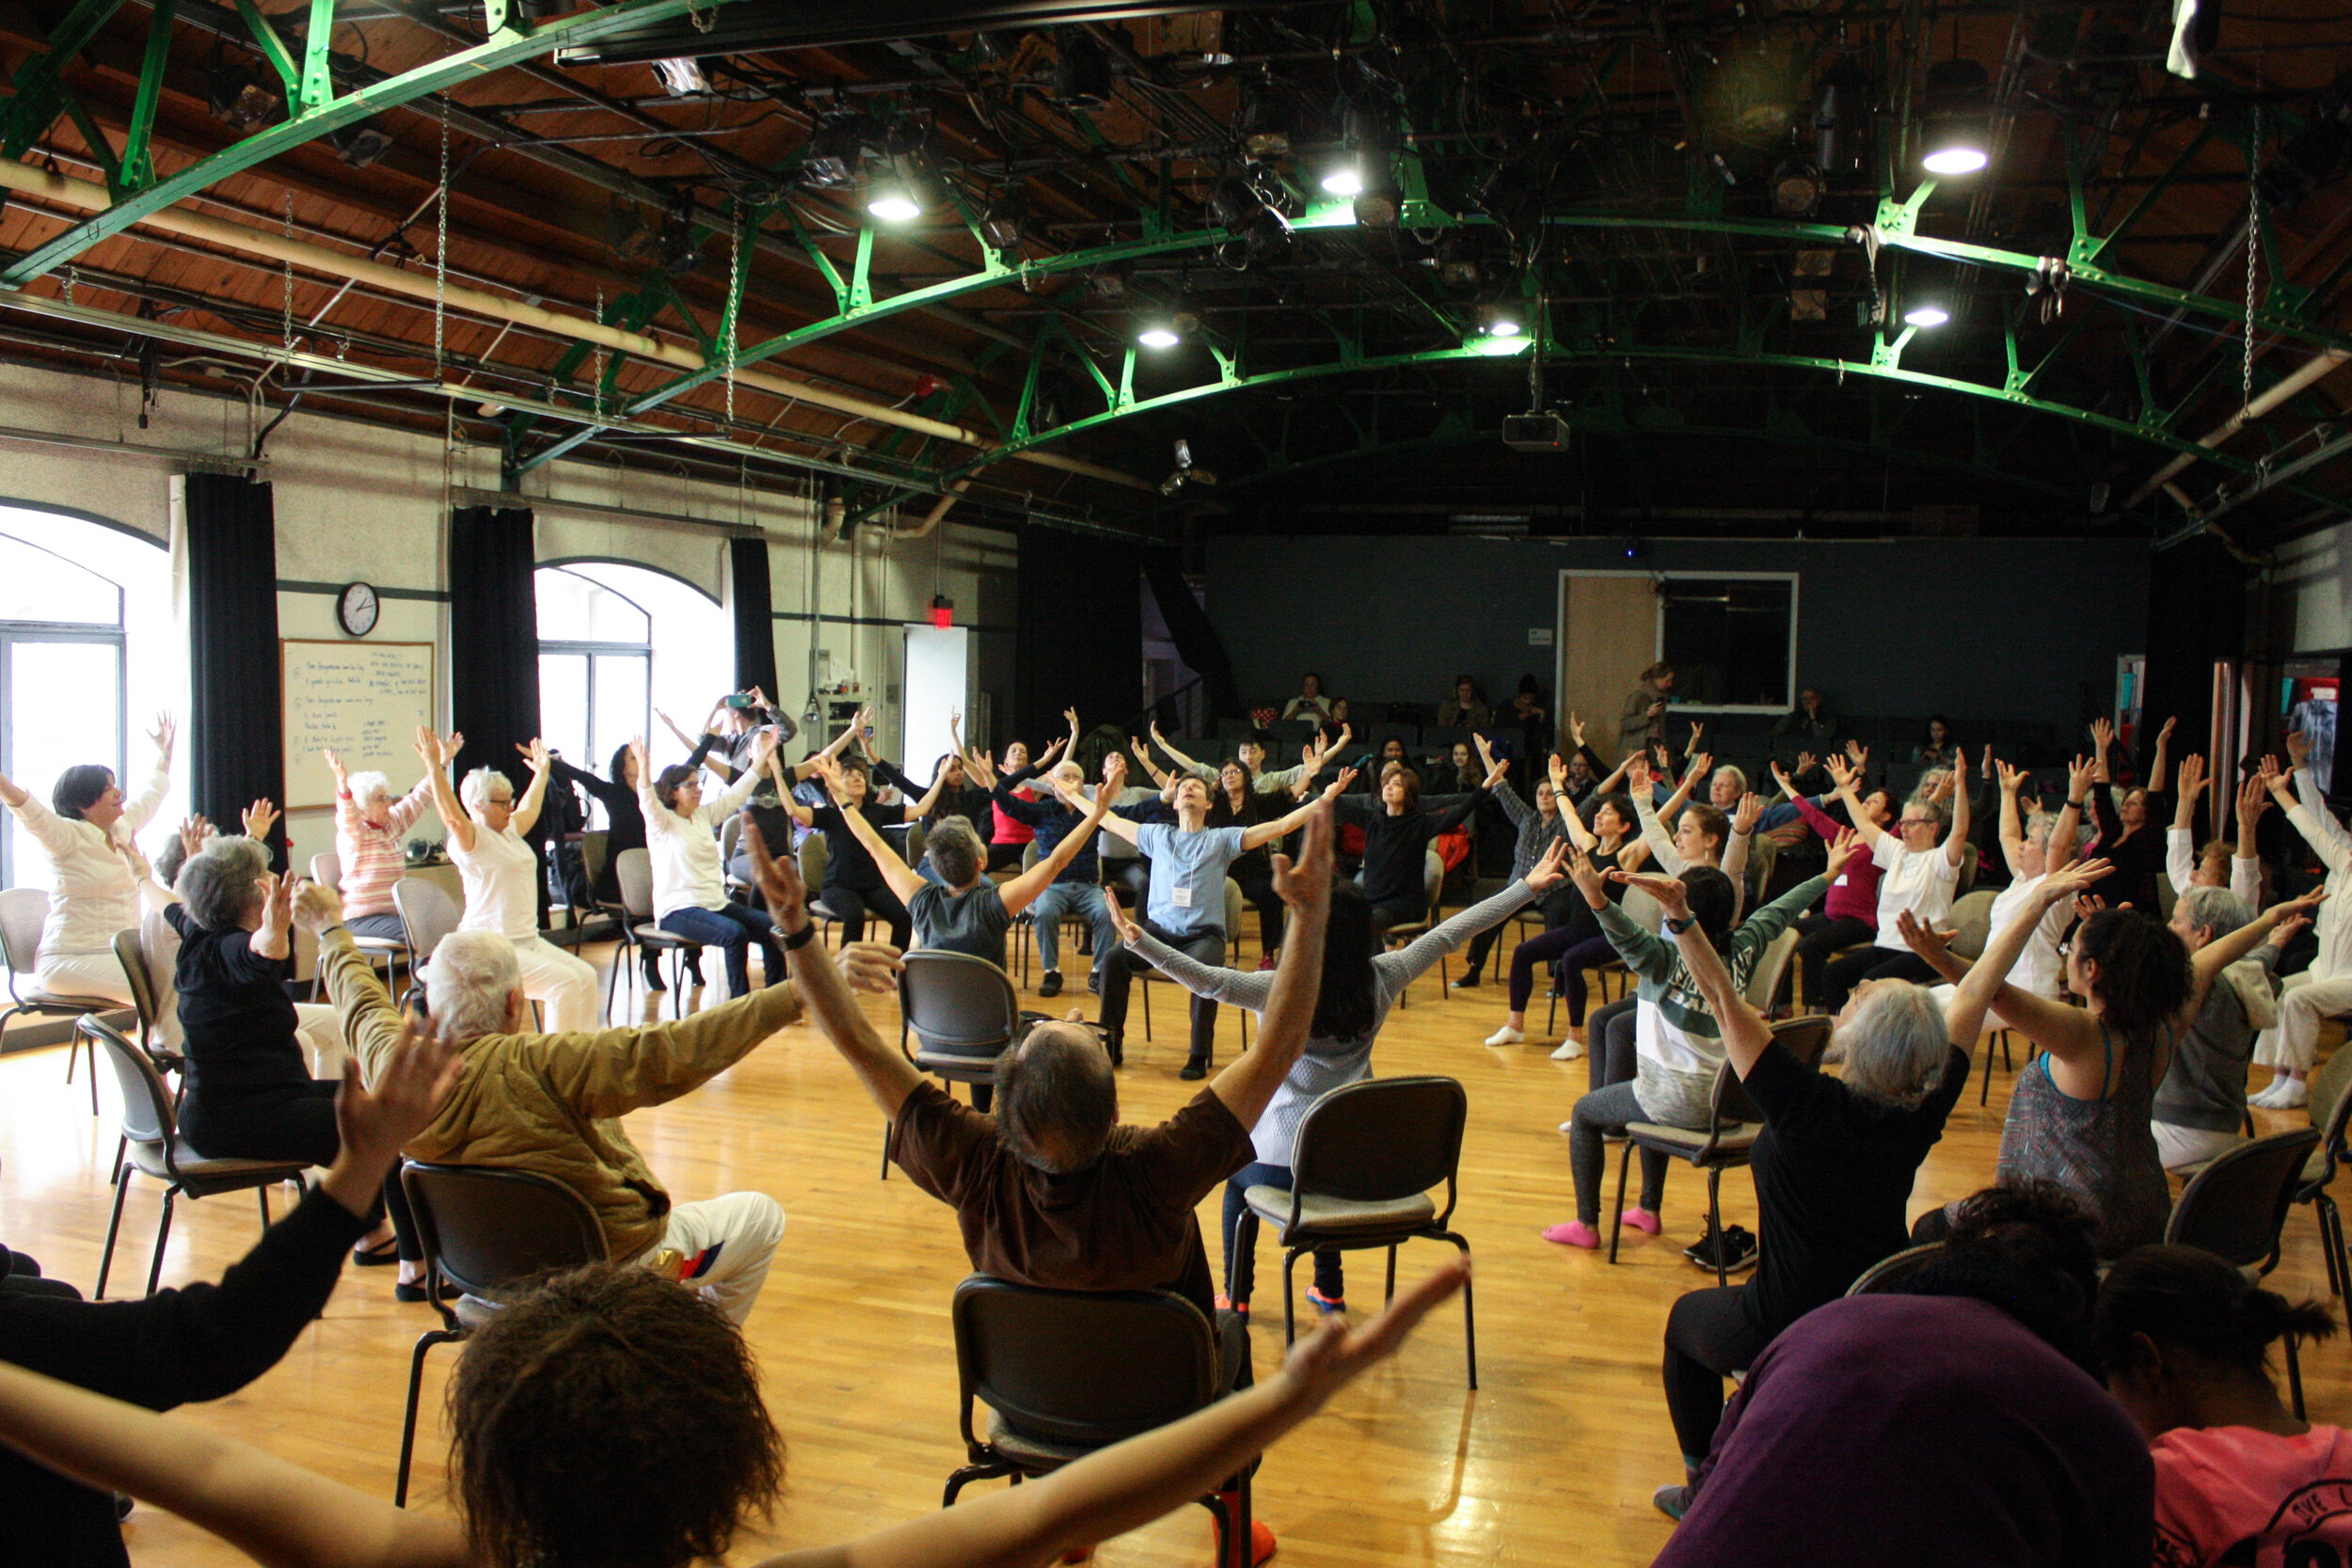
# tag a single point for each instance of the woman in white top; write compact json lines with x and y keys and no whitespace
{"x":2035,"y":846}
{"x":85,"y":830}
{"x":1916,"y":873}
{"x":501,"y":873}
{"x":689,"y":889}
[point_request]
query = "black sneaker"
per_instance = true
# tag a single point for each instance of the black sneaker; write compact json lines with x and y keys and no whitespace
{"x":653,"y":978}
{"x":1094,"y":984}
{"x":1739,"y":1250}
{"x":1468,"y":981}
{"x":1193,"y":1069}
{"x":1051,"y":985}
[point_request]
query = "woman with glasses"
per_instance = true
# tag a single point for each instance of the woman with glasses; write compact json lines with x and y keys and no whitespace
{"x":1918,"y":873}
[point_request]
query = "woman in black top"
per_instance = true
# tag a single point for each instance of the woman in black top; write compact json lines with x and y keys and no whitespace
{"x":1397,"y":836}
{"x":2131,"y":834}
{"x":854,"y":887}
{"x":1238,"y":804}
{"x":624,"y":820}
{"x":1833,"y":1165}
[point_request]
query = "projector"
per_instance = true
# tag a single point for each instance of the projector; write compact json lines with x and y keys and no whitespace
{"x":1535,"y":432}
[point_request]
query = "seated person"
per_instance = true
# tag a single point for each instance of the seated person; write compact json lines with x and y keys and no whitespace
{"x":2324,"y":990}
{"x":368,"y":854}
{"x":552,"y":1105}
{"x":1919,"y":873}
{"x":690,"y":888}
{"x":2185,"y":1336}
{"x":1311,"y":702}
{"x":2201,"y":1105}
{"x":1466,"y":710}
{"x":1078,"y":888}
{"x":2221,"y":863}
{"x":205,"y":1341}
{"x":1953,"y":1418}
{"x":854,"y":888}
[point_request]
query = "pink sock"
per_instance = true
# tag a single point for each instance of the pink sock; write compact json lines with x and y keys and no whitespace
{"x":1573,"y":1233}
{"x":1643,"y":1220}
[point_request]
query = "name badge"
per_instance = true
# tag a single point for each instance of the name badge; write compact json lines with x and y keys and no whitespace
{"x":1180,"y":896}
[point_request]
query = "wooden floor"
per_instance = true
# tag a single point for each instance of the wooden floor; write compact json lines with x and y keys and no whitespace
{"x":1552,"y":1459}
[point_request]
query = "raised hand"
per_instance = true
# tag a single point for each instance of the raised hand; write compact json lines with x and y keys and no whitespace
{"x":1697,"y":730}
{"x":166,"y":730}
{"x":536,"y":755}
{"x":1305,"y":884}
{"x":2288,"y":929}
{"x":2164,"y":733}
{"x":2080,"y":775}
{"x":1559,"y":770}
{"x":2088,"y":904}
{"x":1546,"y":871}
{"x":2299,"y":749}
{"x":1071,"y":714}
{"x":1807,"y":762}
{"x":1844,"y":777}
{"x":317,"y":907}
{"x":1860,"y":753}
{"x":2071,"y":880}
{"x":1701,"y":766}
{"x":1673,"y":895}
{"x":1751,"y":812}
{"x":1587,"y":878}
{"x":1637,"y":771}
{"x":1114,"y":780}
{"x":764,"y":746}
{"x":1339,"y":787}
{"x":1576,"y":731}
{"x":1929,"y":944}
{"x":259,"y":818}
{"x":192,"y":832}
{"x":1122,"y":922}
{"x":2276,"y":782}
{"x":1959,"y":766}
{"x":1845,"y":847}
{"x":2192,"y":781}
{"x":2011,"y":780}
{"x":1495,"y":773}
{"x":2253,"y":799}
{"x":1339,"y":1351}
{"x":429,"y":747}
{"x":335,"y":766}
{"x":2101,"y":733}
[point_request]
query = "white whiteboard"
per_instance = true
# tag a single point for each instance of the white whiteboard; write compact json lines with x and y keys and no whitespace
{"x":937,"y":664}
{"x":362,"y":700}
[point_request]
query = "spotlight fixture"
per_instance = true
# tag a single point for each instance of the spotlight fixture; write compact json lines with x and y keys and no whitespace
{"x":1380,"y":202}
{"x":1343,"y":180}
{"x":359,"y":145}
{"x":1177,"y":480}
{"x":1926,"y":316}
{"x":896,"y":194}
{"x":1082,"y":73}
{"x":835,"y":148}
{"x":1159,"y":335}
{"x":236,"y":95}
{"x":1110,"y":282}
{"x":676,"y":244}
{"x":1370,"y":131}
{"x":1958,"y":128}
{"x":681,"y":77}
{"x":1797,"y":189}
{"x":1266,"y":126}
{"x":1236,"y":207}
{"x":1499,"y":321}
{"x":1002,"y":224}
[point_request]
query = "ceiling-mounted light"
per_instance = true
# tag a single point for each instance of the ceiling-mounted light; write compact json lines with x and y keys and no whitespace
{"x":1956,"y":134}
{"x":1368,"y":130}
{"x":359,"y":145}
{"x":1159,"y":335}
{"x":682,"y":76}
{"x":1236,"y":207}
{"x":1267,"y":125}
{"x":1007,"y":216}
{"x":836,"y":148}
{"x":1797,"y":189}
{"x":893,"y":201}
{"x":1379,"y":204}
{"x":1926,"y":315}
{"x":1110,"y":282}
{"x":1082,"y":73}
{"x":897,"y":192}
{"x":1343,"y":180}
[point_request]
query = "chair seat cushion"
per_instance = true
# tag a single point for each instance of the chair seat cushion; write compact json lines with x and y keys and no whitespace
{"x":961,"y":1066}
{"x":379,"y":944}
{"x":1028,"y":1450}
{"x":196,"y":1170}
{"x":51,"y":1002}
{"x":1738,"y":1138}
{"x":654,"y":936}
{"x":1317,"y":1212}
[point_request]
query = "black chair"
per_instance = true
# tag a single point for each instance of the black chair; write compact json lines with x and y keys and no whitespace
{"x":2236,"y":1207}
{"x":2330,"y":1105}
{"x":1901,"y":1265}
{"x":1065,"y":1373}
{"x":633,"y":872}
{"x":962,"y":1012}
{"x":1725,"y":1142}
{"x":22,"y":911}
{"x":151,"y":1145}
{"x":1368,"y":1155}
{"x":483,"y":1228}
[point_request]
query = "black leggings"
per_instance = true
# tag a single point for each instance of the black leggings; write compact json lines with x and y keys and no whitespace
{"x":852,"y":905}
{"x":297,"y":1123}
{"x":1817,"y":937}
{"x":1611,"y":1045}
{"x":1708,"y":1339}
{"x":1259,"y":889}
{"x":1873,"y":964}
{"x":1396,"y":912}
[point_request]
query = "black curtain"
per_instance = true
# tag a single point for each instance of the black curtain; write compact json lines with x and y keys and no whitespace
{"x":236,"y":752}
{"x":754,"y":618}
{"x":2196,"y":615}
{"x":1077,"y":636}
{"x":1195,"y":639}
{"x":493,"y":639}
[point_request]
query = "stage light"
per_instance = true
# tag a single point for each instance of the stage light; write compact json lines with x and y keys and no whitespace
{"x":1006,"y":217}
{"x":1957,"y":129}
{"x":1499,"y":321}
{"x":1926,"y":315}
{"x":1158,"y":335}
{"x":894,"y":203}
{"x":1345,"y":180}
{"x":835,"y":148}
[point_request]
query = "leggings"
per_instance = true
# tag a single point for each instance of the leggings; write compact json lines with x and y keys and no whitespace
{"x":1241,"y":1268}
{"x":1610,"y":1043}
{"x":1608,"y":1111}
{"x":1259,"y":889}
{"x":853,"y":905}
{"x":1873,"y":964}
{"x":1573,"y":950}
{"x":1817,"y":937}
{"x":1708,"y":1339}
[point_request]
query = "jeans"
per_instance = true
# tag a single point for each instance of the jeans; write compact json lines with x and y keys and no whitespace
{"x":1817,"y":937}
{"x":851,"y":905}
{"x":1608,"y":1111}
{"x":1708,"y":1339}
{"x":732,"y":928}
{"x":1241,"y":1268}
{"x":1118,"y":974}
{"x":1073,"y":898}
{"x":385,"y":925}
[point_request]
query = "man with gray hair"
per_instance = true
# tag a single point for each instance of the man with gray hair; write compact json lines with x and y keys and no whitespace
{"x":553,"y":1104}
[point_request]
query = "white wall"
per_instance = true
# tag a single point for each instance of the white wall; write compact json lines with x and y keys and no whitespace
{"x":2311,"y":581}
{"x":357,"y":501}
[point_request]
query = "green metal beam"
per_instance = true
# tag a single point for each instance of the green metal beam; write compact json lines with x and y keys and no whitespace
{"x":463,"y":65}
{"x":316,"y":88}
{"x":138,"y":163}
{"x":34,"y":102}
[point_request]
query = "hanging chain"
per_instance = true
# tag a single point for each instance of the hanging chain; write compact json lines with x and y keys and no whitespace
{"x":287,"y":327}
{"x":441,"y":255}
{"x":596,"y":390}
{"x":2253,"y":250}
{"x":734,"y":300}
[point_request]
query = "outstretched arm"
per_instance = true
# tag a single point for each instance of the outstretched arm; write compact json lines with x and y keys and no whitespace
{"x":437,"y":751}
{"x":1956,"y":842}
{"x":1848,"y":783}
{"x":527,"y":808}
{"x":902,"y":879}
{"x":1023,"y":890}
{"x":2066,"y":1032}
{"x":1249,"y":1085}
{"x":1266,"y":832}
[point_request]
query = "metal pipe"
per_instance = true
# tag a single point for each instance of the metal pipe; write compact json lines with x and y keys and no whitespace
{"x":2315,"y":369}
{"x":87,"y":196}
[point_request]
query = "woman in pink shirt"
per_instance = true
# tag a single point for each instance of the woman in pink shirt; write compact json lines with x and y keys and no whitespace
{"x":368,"y":849}
{"x":2239,"y":1477}
{"x":1849,"y":914}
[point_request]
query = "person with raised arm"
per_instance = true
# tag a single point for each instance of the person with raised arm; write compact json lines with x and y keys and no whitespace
{"x":2324,"y":990}
{"x":1396,"y":840}
{"x":690,"y":888}
{"x":1252,"y":755}
{"x":2202,"y":1103}
{"x":2218,"y":863}
{"x":2130,"y":821}
{"x":1572,"y":940}
{"x":1833,"y":1164}
{"x":1535,"y":828}
{"x":501,"y":873}
{"x":1850,"y":912}
{"x":1007,"y":838}
{"x":84,"y":829}
{"x":1918,"y":873}
{"x":370,"y":855}
{"x":2034,"y":847}
{"x":1186,"y":905}
{"x":1702,"y":835}
{"x":855,"y":889}
{"x":1078,"y":889}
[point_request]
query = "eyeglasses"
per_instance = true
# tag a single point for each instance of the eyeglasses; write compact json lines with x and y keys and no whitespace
{"x":1918,"y":822}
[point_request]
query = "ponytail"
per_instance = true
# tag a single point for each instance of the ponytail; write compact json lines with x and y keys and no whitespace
{"x":2181,"y":1295}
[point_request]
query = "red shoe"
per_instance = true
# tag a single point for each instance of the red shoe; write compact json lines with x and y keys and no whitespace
{"x":1261,"y":1542}
{"x":1272,"y":961}
{"x":1078,"y":1553}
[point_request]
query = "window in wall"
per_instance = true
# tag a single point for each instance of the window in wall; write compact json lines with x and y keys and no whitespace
{"x":61,"y":669}
{"x":595,"y":666}
{"x":1732,"y":639}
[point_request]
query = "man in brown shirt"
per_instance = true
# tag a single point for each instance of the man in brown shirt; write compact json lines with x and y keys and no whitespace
{"x":1051,"y":1190}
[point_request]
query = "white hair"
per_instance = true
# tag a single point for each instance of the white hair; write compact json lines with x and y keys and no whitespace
{"x":1896,"y":1044}
{"x":2039,"y":827}
{"x":365,"y":785}
{"x":469,"y":980}
{"x":475,"y":791}
{"x":1736,"y":775}
{"x":221,"y":883}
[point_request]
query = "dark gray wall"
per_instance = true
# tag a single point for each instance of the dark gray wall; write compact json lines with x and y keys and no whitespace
{"x":1977,"y":628}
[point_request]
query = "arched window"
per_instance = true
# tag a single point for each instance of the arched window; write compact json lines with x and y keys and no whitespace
{"x":595,"y":666}
{"x":63,"y":661}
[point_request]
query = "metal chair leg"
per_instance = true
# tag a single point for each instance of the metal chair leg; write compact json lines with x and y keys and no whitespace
{"x":163,"y":1234}
{"x":1715,"y":1223}
{"x":2294,"y":1377}
{"x":106,"y":1259}
{"x":1469,"y":1313}
{"x":1616,"y":1212}
{"x":970,"y":1473}
{"x":1390,"y":1296}
{"x":886,"y":1160}
{"x":1290,"y":1303}
{"x":263,"y":1192}
{"x":408,"y":1424}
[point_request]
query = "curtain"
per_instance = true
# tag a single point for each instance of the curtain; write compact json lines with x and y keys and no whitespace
{"x":754,"y":617}
{"x":493,"y":638}
{"x":2196,"y":615}
{"x":1188,"y":626}
{"x":1077,"y":636}
{"x":235,"y":752}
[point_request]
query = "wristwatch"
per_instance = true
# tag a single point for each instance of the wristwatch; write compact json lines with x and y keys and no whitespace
{"x":790,"y":939}
{"x":1677,"y":926}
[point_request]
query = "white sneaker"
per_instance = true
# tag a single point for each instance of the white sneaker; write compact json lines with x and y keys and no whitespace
{"x":2287,"y":1094}
{"x":1568,"y":1050}
{"x":1565,"y":1125}
{"x":1507,"y":1036}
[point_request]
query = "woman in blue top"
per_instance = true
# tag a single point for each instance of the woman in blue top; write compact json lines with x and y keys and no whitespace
{"x":1186,"y":906}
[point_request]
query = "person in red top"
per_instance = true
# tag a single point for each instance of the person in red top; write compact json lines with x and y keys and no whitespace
{"x":1849,"y":914}
{"x":2239,"y":1477}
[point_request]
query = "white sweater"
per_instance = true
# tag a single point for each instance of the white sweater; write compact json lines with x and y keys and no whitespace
{"x":686,"y":870}
{"x":92,"y":895}
{"x":2332,"y":925}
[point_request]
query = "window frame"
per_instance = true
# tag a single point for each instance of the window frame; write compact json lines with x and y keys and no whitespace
{"x":14,"y":634}
{"x":594,"y":650}
{"x":1660,"y":580}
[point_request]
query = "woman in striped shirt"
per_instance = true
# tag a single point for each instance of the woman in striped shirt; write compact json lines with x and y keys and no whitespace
{"x":368,"y":848}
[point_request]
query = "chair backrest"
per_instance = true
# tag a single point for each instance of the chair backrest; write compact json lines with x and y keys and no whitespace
{"x":1381,"y":1139}
{"x":427,"y":913}
{"x":2331,"y":1104}
{"x":1764,"y":981}
{"x":1029,"y":856}
{"x":326,"y":869}
{"x":1884,"y":1273}
{"x":1235,"y":907}
{"x":1972,"y":923}
{"x":487,"y":1226}
{"x":1644,"y":911}
{"x":1808,"y":1036}
{"x":730,"y":834}
{"x":1081,"y":1366}
{"x":917,"y":836}
{"x":958,"y":1004}
{"x":132,"y":956}
{"x":811,"y":855}
{"x":596,"y":849}
{"x":147,"y":1116}
{"x":22,"y":911}
{"x":1968,"y":863}
{"x":2235,"y":1206}
{"x":633,"y":875}
{"x":1730,"y":1101}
